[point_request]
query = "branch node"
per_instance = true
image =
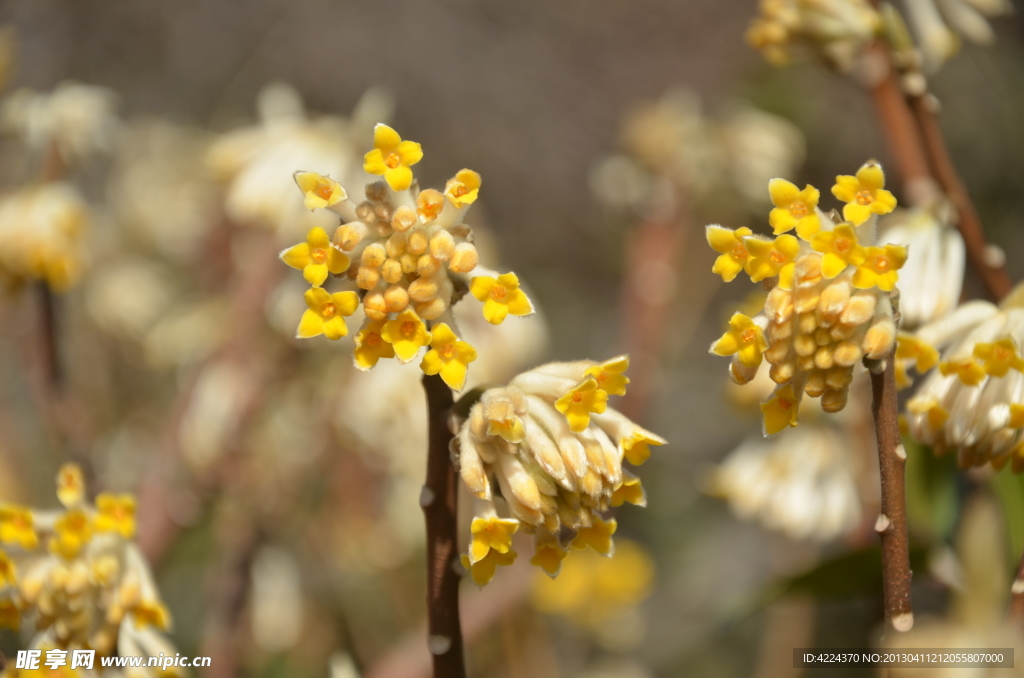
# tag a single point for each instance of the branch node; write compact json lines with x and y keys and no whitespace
{"x":903,"y":622}
{"x":901,"y":452}
{"x":882,"y":524}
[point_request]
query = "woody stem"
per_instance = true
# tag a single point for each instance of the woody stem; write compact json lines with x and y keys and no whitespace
{"x":440,"y":507}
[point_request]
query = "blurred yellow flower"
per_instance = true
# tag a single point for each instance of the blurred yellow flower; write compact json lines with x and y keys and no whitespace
{"x":370,"y":346}
{"x":483,"y":570}
{"x":152,"y":613}
{"x":8,"y":572}
{"x":969,"y":370}
{"x":999,"y":356}
{"x":448,"y":356}
{"x":910,"y":347}
{"x":115,"y":514}
{"x":880,"y":267}
{"x":17,"y":527}
{"x":501,"y":296}
{"x":71,"y":534}
{"x":631,"y":491}
{"x":743,"y":338}
{"x":637,"y":449}
{"x":392,"y":157}
{"x":70,"y":485}
{"x":491,"y":533}
{"x":597,"y":536}
{"x":781,"y":410}
{"x":319,"y":191}
{"x":463,"y":189}
{"x":610,"y":375}
{"x":583,"y":399}
{"x":734,"y":255}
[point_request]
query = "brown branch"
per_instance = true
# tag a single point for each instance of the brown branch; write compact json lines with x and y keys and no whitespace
{"x":892,"y":521}
{"x":901,"y":133}
{"x":440,"y":507}
{"x":993,"y":274}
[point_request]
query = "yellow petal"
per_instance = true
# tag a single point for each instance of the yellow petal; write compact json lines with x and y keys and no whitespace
{"x":831,"y":265}
{"x":781,"y":220}
{"x":337,"y":261}
{"x":317,"y":238}
{"x":410,"y":152}
{"x":480,"y":286}
{"x":311,"y":324}
{"x":441,"y":335}
{"x":871,"y":177}
{"x":297,"y":256}
{"x":721,"y":239}
{"x":454,"y":374}
{"x":317,"y":298}
{"x":518,"y":303}
{"x":782,"y":192}
{"x":345,"y":303}
{"x":315,"y":274}
{"x":494,"y":312}
{"x":432,"y":362}
{"x":373,"y":163}
{"x":399,"y":178}
{"x":856,"y":213}
{"x":846,"y":188}
{"x":384,"y":138}
{"x":809,"y":226}
{"x":335,"y":328}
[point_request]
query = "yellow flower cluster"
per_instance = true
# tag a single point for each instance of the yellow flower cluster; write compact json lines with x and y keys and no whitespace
{"x":973,"y":402}
{"x":836,"y":30}
{"x":41,"y":230}
{"x":404,"y":255}
{"x":78,"y":576}
{"x":828,"y":306}
{"x":555,"y":450}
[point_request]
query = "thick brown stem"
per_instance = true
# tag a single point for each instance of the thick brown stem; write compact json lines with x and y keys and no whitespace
{"x":892,"y":522}
{"x":48,"y":335}
{"x":440,"y":507}
{"x":992,"y":273}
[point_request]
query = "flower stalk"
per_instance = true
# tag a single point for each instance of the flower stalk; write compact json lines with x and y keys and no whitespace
{"x":440,"y":508}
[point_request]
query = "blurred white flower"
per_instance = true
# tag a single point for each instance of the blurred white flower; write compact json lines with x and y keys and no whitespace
{"x":77,"y":120}
{"x":276,"y":599}
{"x":939,"y":25}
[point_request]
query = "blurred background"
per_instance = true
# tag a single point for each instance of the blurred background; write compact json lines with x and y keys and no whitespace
{"x":277,"y":488}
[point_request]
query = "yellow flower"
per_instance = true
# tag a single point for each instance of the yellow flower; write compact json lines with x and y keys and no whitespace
{"x":610,"y":375}
{"x":999,"y":356}
{"x":10,"y":617}
{"x":8,"y":573}
{"x":370,"y":346}
{"x":316,"y":257}
{"x":864,"y":194}
{"x":510,"y":429}
{"x":772,"y":257}
{"x":463,"y":189}
{"x":1016,"y":416}
{"x":636,"y":449}
{"x":16,"y":527}
{"x":582,"y":399}
{"x":115,"y":514}
{"x":902,"y":379}
{"x":326,"y":313}
{"x":151,"y":613}
{"x":392,"y":157}
{"x":743,"y":337}
{"x":909,"y":347}
{"x":781,"y":409}
{"x":840,"y":249}
{"x":548,"y":553}
{"x":483,"y":571}
{"x":794,"y":208}
{"x":880,"y":267}
{"x":70,"y":485}
{"x":937,"y":414}
{"x":491,"y":534}
{"x":407,"y":334}
{"x":319,"y":191}
{"x":734,"y":255}
{"x":501,"y":296}
{"x":598,"y":537}
{"x":448,"y":356}
{"x":629,"y":491}
{"x":71,"y":534}
{"x":969,"y":370}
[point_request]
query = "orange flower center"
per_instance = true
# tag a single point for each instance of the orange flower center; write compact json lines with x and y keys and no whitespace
{"x":748,"y":335}
{"x":798,"y":209}
{"x":864,"y":197}
{"x":499,"y":293}
{"x":329,"y":310}
{"x":881,"y":264}
{"x":372,"y":340}
{"x":393,"y":160}
{"x":778,"y":257}
{"x":318,"y":255}
{"x":1001,"y":353}
{"x":577,"y":397}
{"x":323,"y":190}
{"x":448,"y":350}
{"x":459,"y":190}
{"x":843,"y":245}
{"x":786,"y":403}
{"x":409,"y":328}
{"x":739,"y":251}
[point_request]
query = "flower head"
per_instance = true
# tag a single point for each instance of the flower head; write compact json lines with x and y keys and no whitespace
{"x":326,"y":313}
{"x":772,"y":258}
{"x":611,"y":375}
{"x":840,"y":248}
{"x":316,"y":257}
{"x":998,"y":357}
{"x":448,"y":356}
{"x":371,"y":346}
{"x":115,"y":513}
{"x":319,"y":191}
{"x":781,"y":410}
{"x":392,"y":157}
{"x":407,"y":334}
{"x":864,"y":194}
{"x":17,"y":527}
{"x":70,"y":485}
{"x":491,"y":533}
{"x":744,"y":339}
{"x":732,"y":248}
{"x":501,"y":297}
{"x":794,"y":208}
{"x":72,"y":533}
{"x":880,"y":267}
{"x":463,"y":188}
{"x":597,"y":536}
{"x":483,"y":570}
{"x":583,"y":399}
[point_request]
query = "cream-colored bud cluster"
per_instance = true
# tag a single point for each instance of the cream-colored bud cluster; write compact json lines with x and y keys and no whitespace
{"x":403,"y":246}
{"x":972,"y":402}
{"x":548,"y":444}
{"x":819,"y":331}
{"x":837,"y":30}
{"x":78,"y":575}
{"x":41,"y":231}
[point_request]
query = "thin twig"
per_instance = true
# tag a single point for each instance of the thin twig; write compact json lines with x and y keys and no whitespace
{"x":892,"y":521}
{"x":440,"y":507}
{"x":992,"y":272}
{"x":901,"y":133}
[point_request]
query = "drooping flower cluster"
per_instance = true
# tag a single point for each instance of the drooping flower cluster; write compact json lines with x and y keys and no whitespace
{"x":829,"y":304}
{"x":552,"y":448}
{"x":77,"y":576}
{"x":939,"y":25}
{"x":41,"y":229}
{"x":404,"y":255}
{"x":837,"y":30}
{"x":973,"y":401}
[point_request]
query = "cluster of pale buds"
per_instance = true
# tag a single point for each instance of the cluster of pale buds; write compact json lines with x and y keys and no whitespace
{"x":829,"y":306}
{"x":403,"y":253}
{"x":553,"y":450}
{"x":837,"y":30}
{"x":41,"y":229}
{"x":974,"y":402}
{"x":78,"y":575}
